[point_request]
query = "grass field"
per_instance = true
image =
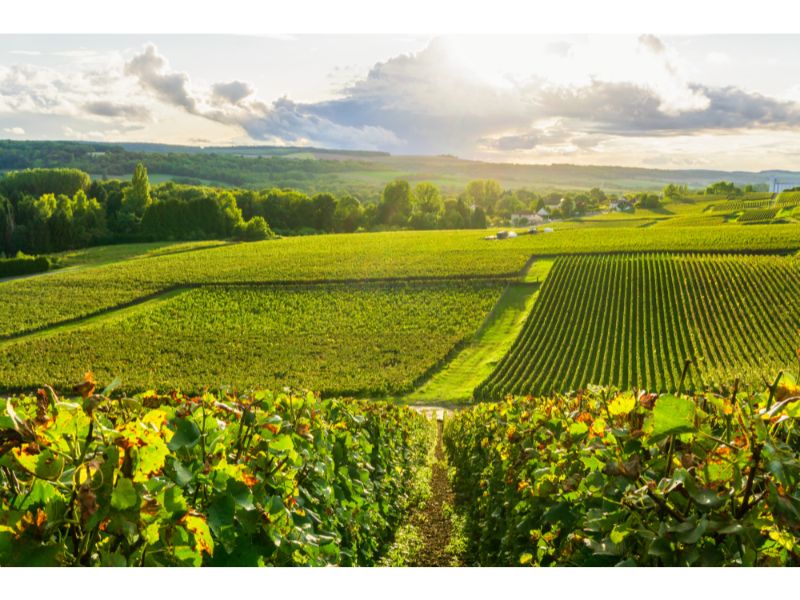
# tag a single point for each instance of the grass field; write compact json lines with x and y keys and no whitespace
{"x":631,"y":320}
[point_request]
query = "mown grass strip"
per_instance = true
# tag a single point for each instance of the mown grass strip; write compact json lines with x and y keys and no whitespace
{"x":457,"y":379}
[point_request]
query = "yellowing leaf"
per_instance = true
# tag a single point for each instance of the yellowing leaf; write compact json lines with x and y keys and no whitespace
{"x":197,"y":525}
{"x":622,"y":404}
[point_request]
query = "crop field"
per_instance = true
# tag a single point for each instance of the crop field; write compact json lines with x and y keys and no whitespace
{"x":758,"y":215}
{"x":632,"y":320}
{"x":374,"y":339}
{"x":37,"y":302}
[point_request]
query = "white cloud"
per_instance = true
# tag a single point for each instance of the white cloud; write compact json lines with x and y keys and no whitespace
{"x":14,"y":130}
{"x":718,"y":58}
{"x":587,"y":97}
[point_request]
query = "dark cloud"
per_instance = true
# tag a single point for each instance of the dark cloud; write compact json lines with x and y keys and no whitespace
{"x":104,"y":108}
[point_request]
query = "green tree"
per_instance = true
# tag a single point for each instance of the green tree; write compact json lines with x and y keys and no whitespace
{"x":231,"y":213}
{"x":253,"y":230}
{"x":137,"y":197}
{"x":726,"y":188}
{"x":323,"y":211}
{"x":456,"y":215}
{"x":428,"y":206}
{"x":567,"y":207}
{"x":484,"y":193}
{"x":478,"y":220}
{"x":649,"y":201}
{"x":396,"y":205}
{"x":6,"y":226}
{"x":348,"y":215}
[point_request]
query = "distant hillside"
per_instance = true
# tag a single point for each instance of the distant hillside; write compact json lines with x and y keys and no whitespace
{"x":359,"y":172}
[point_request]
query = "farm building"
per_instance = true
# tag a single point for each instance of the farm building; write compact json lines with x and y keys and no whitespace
{"x":620,"y":206}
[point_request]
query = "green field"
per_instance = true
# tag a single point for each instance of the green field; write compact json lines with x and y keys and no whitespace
{"x":375,"y":339}
{"x":113,"y":309}
{"x":632,"y":320}
{"x":36,"y":302}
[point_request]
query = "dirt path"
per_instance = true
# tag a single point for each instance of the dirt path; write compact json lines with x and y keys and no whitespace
{"x":433,"y":524}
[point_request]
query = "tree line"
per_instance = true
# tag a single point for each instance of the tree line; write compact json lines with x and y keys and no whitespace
{"x":50,"y":210}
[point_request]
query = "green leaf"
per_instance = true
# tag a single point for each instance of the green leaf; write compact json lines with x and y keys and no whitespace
{"x":703,"y":497}
{"x":282,"y":443}
{"x":673,"y":415}
{"x":692,"y":535}
{"x":124,"y":496}
{"x":187,"y":434}
{"x":618,"y":534}
{"x":220,"y":513}
{"x":174,"y":501}
{"x":179,"y":472}
{"x":241,"y":494}
{"x":526,"y":558}
{"x":578,"y":429}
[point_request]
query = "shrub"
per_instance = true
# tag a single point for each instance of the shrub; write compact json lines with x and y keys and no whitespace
{"x":253,"y":230}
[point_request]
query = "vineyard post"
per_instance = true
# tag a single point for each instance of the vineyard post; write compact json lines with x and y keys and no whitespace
{"x":773,"y":388}
{"x":686,"y":364}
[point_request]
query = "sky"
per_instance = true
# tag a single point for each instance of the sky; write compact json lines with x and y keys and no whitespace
{"x":718,"y":101}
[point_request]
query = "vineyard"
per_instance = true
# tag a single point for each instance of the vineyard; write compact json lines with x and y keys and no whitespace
{"x":604,"y":478}
{"x":32,"y":304}
{"x":268,"y":479}
{"x":632,"y":320}
{"x":758,"y":215}
{"x":368,"y":339}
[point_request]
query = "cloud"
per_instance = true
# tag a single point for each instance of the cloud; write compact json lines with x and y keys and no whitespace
{"x":561,"y":48}
{"x":631,"y":109}
{"x":718,"y":58}
{"x":652,"y":43}
{"x":552,"y":139}
{"x":426,"y":102}
{"x":152,"y":71}
{"x":14,"y":130}
{"x":232,"y":103}
{"x":106,"y":108}
{"x":232,"y":92}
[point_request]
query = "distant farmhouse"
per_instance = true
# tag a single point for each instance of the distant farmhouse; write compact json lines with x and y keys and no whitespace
{"x":620,"y":206}
{"x":776,"y":186}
